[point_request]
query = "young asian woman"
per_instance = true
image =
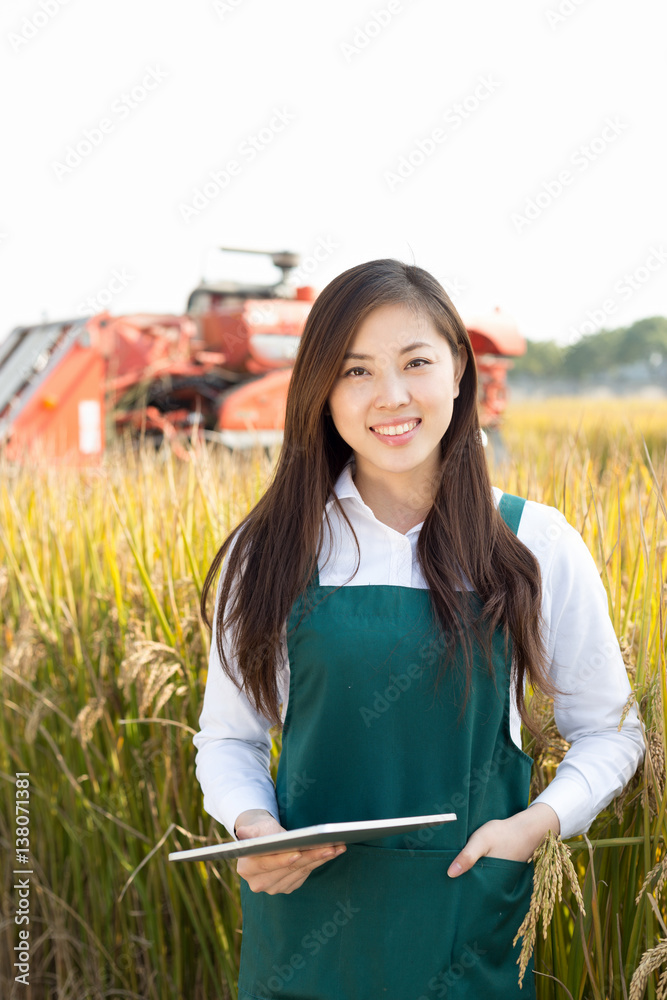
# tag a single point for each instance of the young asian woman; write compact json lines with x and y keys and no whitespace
{"x":386,"y":606}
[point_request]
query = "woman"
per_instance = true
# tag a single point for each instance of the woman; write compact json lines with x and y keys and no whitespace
{"x":396,"y":605}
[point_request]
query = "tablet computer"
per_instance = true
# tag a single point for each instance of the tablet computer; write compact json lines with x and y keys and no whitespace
{"x":312,"y":836}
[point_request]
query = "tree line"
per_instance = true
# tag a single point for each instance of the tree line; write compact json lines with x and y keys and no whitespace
{"x":607,"y":351}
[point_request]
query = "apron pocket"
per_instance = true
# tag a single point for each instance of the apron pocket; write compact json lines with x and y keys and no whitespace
{"x":496,"y":895}
{"x":384,"y":922}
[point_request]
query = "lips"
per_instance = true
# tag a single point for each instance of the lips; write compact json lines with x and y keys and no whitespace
{"x":397,"y":428}
{"x":394,"y":440}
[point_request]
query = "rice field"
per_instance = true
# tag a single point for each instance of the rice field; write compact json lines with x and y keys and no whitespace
{"x":103,"y":670}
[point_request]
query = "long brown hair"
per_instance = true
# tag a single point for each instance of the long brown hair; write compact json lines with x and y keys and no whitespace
{"x":276,"y":546}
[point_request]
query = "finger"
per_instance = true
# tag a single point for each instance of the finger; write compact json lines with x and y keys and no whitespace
{"x":299,"y":859}
{"x":262,"y":863}
{"x":479,"y":844}
{"x":293,"y":879}
{"x":306,"y":855}
{"x":285,"y":885}
{"x":283,"y":879}
{"x":314,"y":858}
{"x":310,"y":855}
{"x":464,"y":861}
{"x":270,"y":862}
{"x":320,"y":847}
{"x":321,"y":859}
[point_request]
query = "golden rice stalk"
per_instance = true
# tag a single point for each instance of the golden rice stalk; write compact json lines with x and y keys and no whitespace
{"x":659,"y":870}
{"x":654,"y":763}
{"x":162,"y":698}
{"x":37,"y":713}
{"x":155,"y":686}
{"x":626,"y":708}
{"x":87,"y":719}
{"x":629,"y":658}
{"x":149,"y":665}
{"x":25,"y":650}
{"x":552,"y":860}
{"x":657,"y":751}
{"x":650,"y":961}
{"x":637,"y":780}
{"x":633,"y":788}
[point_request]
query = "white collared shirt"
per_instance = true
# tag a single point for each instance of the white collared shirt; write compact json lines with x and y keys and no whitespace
{"x":234,"y":745}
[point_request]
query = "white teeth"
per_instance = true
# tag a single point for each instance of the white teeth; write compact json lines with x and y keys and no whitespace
{"x":399,"y":429}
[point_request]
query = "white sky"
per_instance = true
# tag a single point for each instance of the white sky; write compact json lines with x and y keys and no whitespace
{"x":220,"y":73}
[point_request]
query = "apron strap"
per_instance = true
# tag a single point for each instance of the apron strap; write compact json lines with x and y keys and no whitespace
{"x":511,"y":509}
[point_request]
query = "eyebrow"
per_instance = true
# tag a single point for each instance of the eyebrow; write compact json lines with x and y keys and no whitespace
{"x":404,"y":350}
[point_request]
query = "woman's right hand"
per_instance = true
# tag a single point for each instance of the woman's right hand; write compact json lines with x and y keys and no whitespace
{"x":278,"y":872}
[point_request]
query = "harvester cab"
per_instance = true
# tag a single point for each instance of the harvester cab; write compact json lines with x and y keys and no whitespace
{"x":258,"y":329}
{"x":239,"y":291}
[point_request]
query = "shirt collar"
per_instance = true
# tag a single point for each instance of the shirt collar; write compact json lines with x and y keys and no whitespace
{"x":345,"y":488}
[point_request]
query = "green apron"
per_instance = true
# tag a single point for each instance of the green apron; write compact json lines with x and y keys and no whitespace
{"x":367,"y":737}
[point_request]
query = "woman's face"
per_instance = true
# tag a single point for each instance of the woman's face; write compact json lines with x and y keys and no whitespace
{"x":407,"y":376}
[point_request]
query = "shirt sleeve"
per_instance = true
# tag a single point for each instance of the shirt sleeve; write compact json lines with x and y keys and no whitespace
{"x":233,"y":744}
{"x":587,"y":666}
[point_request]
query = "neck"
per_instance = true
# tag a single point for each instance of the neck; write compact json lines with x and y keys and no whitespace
{"x":399,"y":496}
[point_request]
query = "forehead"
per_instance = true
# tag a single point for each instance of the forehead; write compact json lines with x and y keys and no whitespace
{"x":396,"y":328}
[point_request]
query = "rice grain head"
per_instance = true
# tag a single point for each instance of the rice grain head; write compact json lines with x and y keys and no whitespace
{"x":87,"y":719}
{"x":650,"y":961}
{"x":552,"y":861}
{"x":39,"y":710}
{"x":659,"y":871}
{"x":149,"y":666}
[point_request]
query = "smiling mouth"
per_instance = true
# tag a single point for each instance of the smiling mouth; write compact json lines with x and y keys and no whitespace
{"x":396,"y":429}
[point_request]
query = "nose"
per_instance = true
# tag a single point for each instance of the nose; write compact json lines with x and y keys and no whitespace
{"x":392,"y":391}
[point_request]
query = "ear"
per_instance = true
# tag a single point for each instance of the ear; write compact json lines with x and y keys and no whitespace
{"x":459,"y":368}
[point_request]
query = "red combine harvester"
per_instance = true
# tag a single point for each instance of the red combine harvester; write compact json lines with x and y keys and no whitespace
{"x":495,"y":339}
{"x":219,"y":372}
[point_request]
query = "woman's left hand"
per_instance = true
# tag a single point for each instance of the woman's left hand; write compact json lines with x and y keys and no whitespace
{"x":514,"y":839}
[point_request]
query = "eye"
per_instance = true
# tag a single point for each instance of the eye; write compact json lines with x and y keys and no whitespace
{"x":420,"y":361}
